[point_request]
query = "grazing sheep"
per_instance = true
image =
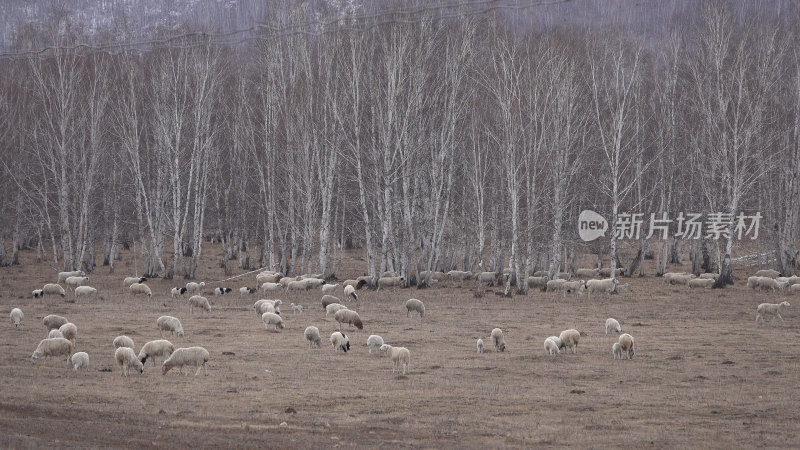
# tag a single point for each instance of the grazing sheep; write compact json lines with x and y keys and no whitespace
{"x":123,"y":341}
{"x":349,"y":317}
{"x":54,"y":334}
{"x":374,"y":342}
{"x":678,"y":278}
{"x":771,"y":308}
{"x":312,"y":283}
{"x":128,"y":281}
{"x":458,"y":275}
{"x":38,"y":293}
{"x":701,"y":283}
{"x":607,"y":285}
{"x":53,"y":289}
{"x":537,"y":282}
{"x":272,"y":319}
{"x":766,"y":283}
{"x":301,"y":285}
{"x":76,"y":281}
{"x":570,"y":338}
{"x":340,"y":342}
{"x":198,"y":301}
{"x":171,"y":324}
{"x":491,"y":278}
{"x":246,"y":291}
{"x":222,"y":290}
{"x":552,"y":345}
{"x":399,"y":355}
{"x":284,"y":282}
{"x":587,"y":273}
{"x":612,"y":325}
{"x":616,"y":350}
{"x":328,"y":300}
{"x":62,"y":276}
{"x":312,"y":336}
{"x":296,"y":308}
{"x":768,"y":273}
{"x":350,"y":291}
{"x":189,"y":356}
{"x":481,"y":347}
{"x":69,"y":331}
{"x":356,"y":284}
{"x":793,"y":280}
{"x":140,"y":288}
{"x":268,"y":277}
{"x":267,"y":306}
{"x":329,"y":288}
{"x":556,"y":285}
{"x":415,"y":305}
{"x":752,"y":282}
{"x":498,"y":339}
{"x":52,"y":321}
{"x":52,"y":347}
{"x":606,"y":272}
{"x":194,"y":288}
{"x":159,"y":347}
{"x":177,"y":292}
{"x":573,"y":287}
{"x":626,"y":345}
{"x":709,"y":276}
{"x":271,"y":287}
{"x":390,"y":282}
{"x":333,"y":308}
{"x":127,"y":360}
{"x":16,"y":317}
{"x":80,"y":360}
{"x":81,"y":291}
{"x":795,"y":288}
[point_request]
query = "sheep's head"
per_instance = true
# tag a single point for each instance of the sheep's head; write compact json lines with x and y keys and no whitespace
{"x":280,"y":325}
{"x":385,"y":348}
{"x":35,"y":357}
{"x":180,"y":333}
{"x":785,"y":304}
{"x":357,"y":322}
{"x":142,"y":279}
{"x":502,"y":347}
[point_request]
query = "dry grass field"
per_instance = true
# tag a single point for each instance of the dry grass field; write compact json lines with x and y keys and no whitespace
{"x":705,"y":374}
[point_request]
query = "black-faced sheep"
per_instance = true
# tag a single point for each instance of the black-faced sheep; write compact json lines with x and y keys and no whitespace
{"x":340,"y":342}
{"x":159,"y":347}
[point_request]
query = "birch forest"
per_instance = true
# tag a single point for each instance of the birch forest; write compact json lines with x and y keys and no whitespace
{"x":425,"y":136}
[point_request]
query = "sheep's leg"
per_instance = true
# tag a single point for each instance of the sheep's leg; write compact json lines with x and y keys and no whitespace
{"x":199,"y":366}
{"x":779,"y":316}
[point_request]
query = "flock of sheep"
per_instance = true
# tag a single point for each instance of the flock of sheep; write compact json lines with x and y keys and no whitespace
{"x":62,"y":334}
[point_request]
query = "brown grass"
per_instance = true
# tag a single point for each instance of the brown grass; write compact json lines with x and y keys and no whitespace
{"x":704,"y":375}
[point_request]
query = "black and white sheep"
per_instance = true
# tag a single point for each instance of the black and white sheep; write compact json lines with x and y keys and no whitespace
{"x":159,"y":347}
{"x":311,"y":334}
{"x":771,"y":308}
{"x":37,"y":293}
{"x":340,"y":342}
{"x":171,"y":324}
{"x":52,"y":347}
{"x":414,"y":304}
{"x":244,"y":290}
{"x":350,"y":291}
{"x":189,"y":356}
{"x":16,"y":317}
{"x":177,"y":291}
{"x":222,"y":290}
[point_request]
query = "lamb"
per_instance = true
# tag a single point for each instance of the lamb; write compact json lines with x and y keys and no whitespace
{"x":140,"y":288}
{"x":415,"y":305}
{"x":329,"y":288}
{"x":69,"y":331}
{"x":350,"y":291}
{"x":296,"y":308}
{"x":271,"y":287}
{"x":54,"y":334}
{"x":612,"y":325}
{"x":329,"y":299}
{"x":194,"y":288}
{"x":701,"y":283}
{"x":246,"y":291}
{"x":64,"y":275}
{"x":481,"y":347}
{"x":333,"y":308}
{"x":189,"y":356}
{"x":626,"y":345}
{"x":177,"y":292}
{"x":198,"y":301}
{"x":607,"y":285}
{"x":80,"y":360}
{"x":587,"y":273}
{"x":498,"y":339}
{"x":128,"y":281}
{"x":771,"y":308}
{"x":769,"y":273}
{"x":222,"y":290}
{"x":171,"y":324}
{"x":52,"y":321}
{"x":75,"y":281}
{"x":552,"y":345}
{"x":374,"y":342}
{"x":340,"y":342}
{"x":399,"y":355}
{"x":569,"y":339}
{"x":616,"y":350}
{"x":53,"y":289}
{"x":123,"y":341}
{"x":159,"y":347}
{"x":127,"y":360}
{"x":38,"y":293}
{"x":16,"y":317}
{"x":81,"y":291}
{"x":390,"y":282}
{"x":312,"y":336}
{"x":52,"y":347}
{"x":301,"y":285}
{"x":349,"y":317}
{"x":272,"y":319}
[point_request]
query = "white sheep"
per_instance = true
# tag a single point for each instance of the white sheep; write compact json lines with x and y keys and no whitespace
{"x":573,"y":287}
{"x":268,"y":277}
{"x":189,"y":356}
{"x":349,"y":317}
{"x":123,"y":341}
{"x":198,"y":301}
{"x":52,"y":321}
{"x":498,"y":339}
{"x":606,"y":272}
{"x":296,"y":309}
{"x":701,"y":283}
{"x":53,"y":289}
{"x":556,"y":285}
{"x":329,"y":300}
{"x":766,"y":283}
{"x":414,"y":304}
{"x":340,"y":342}
{"x":260,"y":306}
{"x":76,"y":281}
{"x":333,"y":308}
{"x":537,"y":282}
{"x":458,"y":275}
{"x":312,"y":336}
{"x":128,"y":281}
{"x":795,"y":288}
{"x":177,"y":292}
{"x":314,"y":281}
{"x":390,"y":282}
{"x":709,"y":276}
{"x":37,"y":293}
{"x":481,"y":347}
{"x":607,"y":285}
{"x":246,"y":291}
{"x":626,"y":345}
{"x":54,"y":334}
{"x":489,"y":277}
{"x":399,"y":355}
{"x":69,"y":331}
{"x":301,"y":285}
{"x":272,"y":319}
{"x":769,"y":273}
{"x":771,"y":308}
{"x":64,"y":275}
{"x":612,"y":325}
{"x":80,"y":360}
{"x":616,"y":350}
{"x":374,"y":342}
{"x":587,"y":273}
{"x":752,"y":282}
{"x":329,"y":288}
{"x":552,"y":345}
{"x":159,"y":347}
{"x":127,"y":360}
{"x":350,"y":291}
{"x":194,"y":288}
{"x":140,"y":288}
{"x":678,"y":278}
{"x":16,"y":317}
{"x":222,"y":290}
{"x":284,"y":282}
{"x":569,"y":339}
{"x":171,"y":324}
{"x":82,"y":291}
{"x":52,"y":347}
{"x":271,"y":287}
